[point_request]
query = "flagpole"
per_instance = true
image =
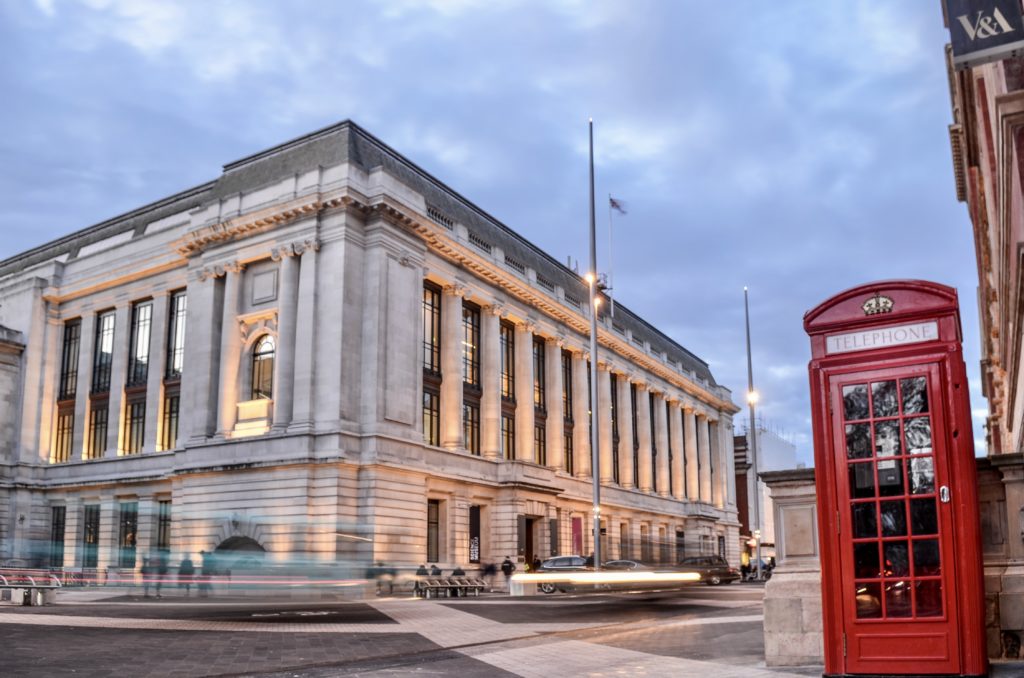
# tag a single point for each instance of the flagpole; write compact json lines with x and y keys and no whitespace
{"x":611,"y":270}
{"x":595,"y":460}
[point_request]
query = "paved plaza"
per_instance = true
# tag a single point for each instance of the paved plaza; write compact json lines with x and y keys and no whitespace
{"x":700,"y":632}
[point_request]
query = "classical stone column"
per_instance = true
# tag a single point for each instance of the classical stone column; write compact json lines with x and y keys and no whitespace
{"x":692,"y":458}
{"x":704,"y":455}
{"x":555,"y":440}
{"x":451,"y":367}
{"x":524,"y":392}
{"x":198,"y":388}
{"x":230,"y":350}
{"x":118,"y":371}
{"x":305,"y":335}
{"x":718,"y":474}
{"x":643,"y":430}
{"x":287,"y":305}
{"x":604,"y":422}
{"x":580,"y":415}
{"x":155,"y":372}
{"x":490,"y":382}
{"x":87,"y":339}
{"x":73,"y":532}
{"x":661,"y":431}
{"x":678,"y":451}
{"x":728,"y":460}
{"x":625,"y":415}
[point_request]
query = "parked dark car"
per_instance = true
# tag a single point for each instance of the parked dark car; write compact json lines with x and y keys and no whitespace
{"x":713,"y":570}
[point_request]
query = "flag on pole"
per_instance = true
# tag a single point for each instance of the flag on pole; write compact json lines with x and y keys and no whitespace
{"x":617,"y":205}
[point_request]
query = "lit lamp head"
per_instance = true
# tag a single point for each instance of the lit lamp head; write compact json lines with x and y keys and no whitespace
{"x":597,"y":302}
{"x":753,"y":397}
{"x":589,"y":277}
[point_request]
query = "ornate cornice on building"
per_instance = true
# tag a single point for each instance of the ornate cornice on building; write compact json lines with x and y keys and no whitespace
{"x":219,"y":270}
{"x":440,"y":240}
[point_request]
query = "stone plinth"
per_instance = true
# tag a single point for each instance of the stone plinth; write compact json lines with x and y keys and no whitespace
{"x":793,"y":633}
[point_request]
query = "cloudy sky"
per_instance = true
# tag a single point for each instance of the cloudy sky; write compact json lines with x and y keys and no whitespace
{"x":799,"y":148}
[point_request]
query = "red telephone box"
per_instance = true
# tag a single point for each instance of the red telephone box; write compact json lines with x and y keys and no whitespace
{"x":902,"y":585}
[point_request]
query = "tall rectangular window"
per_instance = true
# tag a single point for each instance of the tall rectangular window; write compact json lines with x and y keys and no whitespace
{"x":567,"y":421}
{"x":163,"y":526}
{"x":138,"y":352}
{"x":471,"y":344}
{"x":97,"y":442}
{"x":176,"y":315}
{"x":69,"y":360}
{"x":567,"y":384}
{"x":135,"y":425}
{"x":539,"y":400}
{"x":433,"y":530}
{"x":636,"y":438}
{"x":431,"y":328}
{"x":615,"y":428}
{"x":431,"y":364}
{"x":431,"y":417}
{"x":58,"y":516}
{"x":64,"y":433}
{"x":91,"y":535}
{"x":508,"y":436}
{"x":169,"y":430}
{"x":654,"y":445}
{"x":540,"y":449}
{"x":508,"y":361}
{"x":471,"y":426}
{"x":127,"y":533}
{"x":103,"y":352}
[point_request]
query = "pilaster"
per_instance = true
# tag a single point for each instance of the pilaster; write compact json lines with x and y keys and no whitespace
{"x":490,"y":381}
{"x":704,"y":455}
{"x":306,"y":324}
{"x":580,"y":415}
{"x":284,"y":379}
{"x":624,"y":412}
{"x":555,"y":439}
{"x":604,"y":421}
{"x":154,"y":373}
{"x":643,"y":428}
{"x":451,"y":367}
{"x":230,"y":350}
{"x":661,"y":431}
{"x":524,"y":392}
{"x":85,"y":348}
{"x":118,"y":370}
{"x":678,"y":451}
{"x":692,"y":458}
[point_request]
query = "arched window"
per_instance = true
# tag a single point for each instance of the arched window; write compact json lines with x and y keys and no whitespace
{"x":263,"y":368}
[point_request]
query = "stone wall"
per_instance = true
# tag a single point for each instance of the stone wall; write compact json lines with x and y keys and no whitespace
{"x":793,"y":632}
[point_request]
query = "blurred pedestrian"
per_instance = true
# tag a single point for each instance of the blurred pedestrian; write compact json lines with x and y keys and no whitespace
{"x":535,"y":565}
{"x":206,"y":571}
{"x":507,"y":568}
{"x":147,"y":575}
{"x":458,"y":572}
{"x":435,"y":571}
{"x":162,"y":568}
{"x":421,"y":571}
{"x":186,"y":571}
{"x":489,"y":571}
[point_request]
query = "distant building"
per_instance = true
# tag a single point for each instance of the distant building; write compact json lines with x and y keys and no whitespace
{"x":327,"y":352}
{"x":774,"y":453}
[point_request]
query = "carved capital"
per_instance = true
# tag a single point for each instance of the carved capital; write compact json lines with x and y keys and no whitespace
{"x":232,"y":267}
{"x":455,"y":290}
{"x":495,"y":309}
{"x":300,"y":247}
{"x":555,"y":342}
{"x":281,"y":251}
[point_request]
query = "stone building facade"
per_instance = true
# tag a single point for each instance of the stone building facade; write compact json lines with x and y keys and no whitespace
{"x":326,"y":353}
{"x":987,"y":140}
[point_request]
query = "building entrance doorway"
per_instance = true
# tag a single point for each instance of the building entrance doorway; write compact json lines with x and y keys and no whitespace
{"x":239,"y":553}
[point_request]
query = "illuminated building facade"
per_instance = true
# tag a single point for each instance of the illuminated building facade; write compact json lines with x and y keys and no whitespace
{"x":327,"y":352}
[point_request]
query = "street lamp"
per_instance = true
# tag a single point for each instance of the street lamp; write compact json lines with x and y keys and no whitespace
{"x":752,"y":398}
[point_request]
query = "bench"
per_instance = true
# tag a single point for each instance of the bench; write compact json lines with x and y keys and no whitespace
{"x":35,"y":587}
{"x":450,"y":587}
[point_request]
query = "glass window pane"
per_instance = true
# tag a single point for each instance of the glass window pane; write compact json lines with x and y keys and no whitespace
{"x":865,"y":560}
{"x":926,"y":558}
{"x":897,"y":559}
{"x":869,"y":597}
{"x":883,"y":398}
{"x":929,"y":598}
{"x":890,"y":478}
{"x":894,"y":519}
{"x":922,"y":516}
{"x":855,"y":402}
{"x":862,"y":480}
{"x":915,"y":395}
{"x":921,"y":474}
{"x":858,"y":441}
{"x":865,"y":523}
{"x":919,"y":435}
{"x":897,"y":599}
{"x":887,"y":438}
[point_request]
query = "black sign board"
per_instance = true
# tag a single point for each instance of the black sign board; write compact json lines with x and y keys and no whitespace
{"x":474,"y":534}
{"x":985,"y":30}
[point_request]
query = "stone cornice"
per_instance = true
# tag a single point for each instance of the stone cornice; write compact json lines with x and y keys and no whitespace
{"x":437,"y":238}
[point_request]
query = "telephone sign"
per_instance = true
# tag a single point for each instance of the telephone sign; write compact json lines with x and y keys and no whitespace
{"x":896,"y":483}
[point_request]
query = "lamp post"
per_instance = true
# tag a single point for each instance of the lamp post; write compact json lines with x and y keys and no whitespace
{"x":595,"y":302}
{"x":752,"y":398}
